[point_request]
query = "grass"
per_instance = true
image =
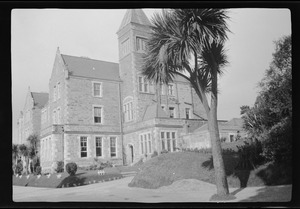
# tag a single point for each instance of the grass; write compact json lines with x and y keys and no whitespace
{"x":165,"y":169}
{"x":82,"y":177}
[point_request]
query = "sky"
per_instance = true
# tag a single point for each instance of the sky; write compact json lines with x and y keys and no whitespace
{"x":36,"y":34}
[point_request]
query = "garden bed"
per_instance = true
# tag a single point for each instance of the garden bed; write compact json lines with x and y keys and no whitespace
{"x":61,"y":180}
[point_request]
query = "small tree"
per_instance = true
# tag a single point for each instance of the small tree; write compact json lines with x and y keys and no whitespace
{"x":71,"y":168}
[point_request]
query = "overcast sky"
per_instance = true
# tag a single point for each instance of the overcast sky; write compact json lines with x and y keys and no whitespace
{"x":36,"y":34}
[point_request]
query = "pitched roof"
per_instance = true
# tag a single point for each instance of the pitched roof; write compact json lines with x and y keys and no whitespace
{"x":40,"y":99}
{"x":134,"y":16}
{"x":85,"y":67}
{"x":233,"y":124}
{"x":154,"y":111}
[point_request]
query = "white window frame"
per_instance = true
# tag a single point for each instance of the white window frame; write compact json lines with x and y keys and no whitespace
{"x":100,"y":90}
{"x":54,"y":93}
{"x":125,"y":47}
{"x":143,"y":82}
{"x":174,"y":108}
{"x":54,"y":119}
{"x":145,"y":139}
{"x":162,"y":89}
{"x":58,"y":112}
{"x":164,"y":140}
{"x":128,"y":111}
{"x":116,"y":147}
{"x":189,"y":112}
{"x":171,"y":91}
{"x":101,"y":139}
{"x":87,"y":146}
{"x":140,"y":43}
{"x":58,"y":90}
{"x":102,"y":116}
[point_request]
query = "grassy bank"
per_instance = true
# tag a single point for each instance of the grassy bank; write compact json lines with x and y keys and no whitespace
{"x":167,"y":168}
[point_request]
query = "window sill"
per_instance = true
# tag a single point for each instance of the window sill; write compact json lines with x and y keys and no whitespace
{"x":141,"y":92}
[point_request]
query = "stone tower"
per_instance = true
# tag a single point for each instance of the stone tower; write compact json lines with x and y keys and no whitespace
{"x":136,"y":91}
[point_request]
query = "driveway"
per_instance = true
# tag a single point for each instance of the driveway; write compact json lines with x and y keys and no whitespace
{"x":190,"y":190}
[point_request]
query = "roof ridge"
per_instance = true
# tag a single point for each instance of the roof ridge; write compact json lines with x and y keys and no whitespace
{"x":89,"y":58}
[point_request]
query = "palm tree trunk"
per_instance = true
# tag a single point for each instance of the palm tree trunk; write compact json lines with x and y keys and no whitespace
{"x":220,"y":174}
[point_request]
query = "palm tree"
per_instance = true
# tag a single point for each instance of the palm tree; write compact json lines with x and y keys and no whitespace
{"x":33,"y":141}
{"x":24,"y":151}
{"x":15,"y":154}
{"x":190,"y":43}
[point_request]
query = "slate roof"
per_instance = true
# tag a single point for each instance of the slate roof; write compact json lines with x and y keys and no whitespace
{"x":85,"y":67}
{"x":154,"y":111}
{"x":134,"y":16}
{"x":233,"y":124}
{"x":40,"y":99}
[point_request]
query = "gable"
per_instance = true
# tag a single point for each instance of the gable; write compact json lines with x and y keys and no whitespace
{"x":90,"y":68}
{"x":39,"y":99}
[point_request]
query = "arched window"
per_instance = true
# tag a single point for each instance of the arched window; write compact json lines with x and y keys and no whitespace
{"x":128,"y":109}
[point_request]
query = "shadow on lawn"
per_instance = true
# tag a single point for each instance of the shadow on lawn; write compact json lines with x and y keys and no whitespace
{"x":72,"y":181}
{"x":233,"y":166}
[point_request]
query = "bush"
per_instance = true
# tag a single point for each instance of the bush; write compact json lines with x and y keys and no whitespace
{"x":164,"y":151}
{"x":71,"y":168}
{"x":154,"y":154}
{"x":38,"y":170}
{"x":250,"y":155}
{"x":19,"y":168}
{"x":59,"y":166}
{"x":35,"y":163}
{"x":223,"y":139}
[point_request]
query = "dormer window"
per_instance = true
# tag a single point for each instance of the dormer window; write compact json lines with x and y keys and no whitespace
{"x":141,"y":44}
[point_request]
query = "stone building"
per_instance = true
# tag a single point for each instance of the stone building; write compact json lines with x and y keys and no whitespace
{"x":109,"y":111}
{"x":229,"y":131}
{"x":29,"y":121}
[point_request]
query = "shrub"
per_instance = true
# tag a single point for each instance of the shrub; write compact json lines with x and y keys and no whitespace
{"x":38,"y":170}
{"x":59,"y":166}
{"x":223,"y":139}
{"x":35,"y":163}
{"x":164,"y":151}
{"x":19,"y":168}
{"x":250,"y":155}
{"x":71,"y":168}
{"x":154,"y":154}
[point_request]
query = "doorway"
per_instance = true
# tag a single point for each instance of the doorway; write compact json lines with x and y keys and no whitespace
{"x":131,"y":153}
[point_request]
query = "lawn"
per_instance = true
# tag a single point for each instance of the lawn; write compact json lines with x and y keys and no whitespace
{"x":60,"y":180}
{"x":165,"y":169}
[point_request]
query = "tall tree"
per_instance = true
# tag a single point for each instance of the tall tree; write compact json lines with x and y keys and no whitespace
{"x":190,"y":43}
{"x":270,"y":119}
{"x":15,"y":154}
{"x":33,"y":141}
{"x":24,"y":151}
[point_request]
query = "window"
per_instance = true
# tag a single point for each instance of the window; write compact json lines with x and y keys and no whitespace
{"x":141,"y":44}
{"x":97,"y":89}
{"x":54,"y":117}
{"x":171,"y":90}
{"x":172,"y":112}
{"x":98,"y":146}
{"x":113,"y":147}
{"x":98,"y":115}
{"x":83,"y":146}
{"x":187,"y":113}
{"x":125,"y":47}
{"x":145,"y":86}
{"x":168,"y":140}
{"x":146,"y":143}
{"x":58,"y":90}
{"x":162,"y":89}
{"x":58,"y":115}
{"x":128,"y":111}
{"x":54,"y":93}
